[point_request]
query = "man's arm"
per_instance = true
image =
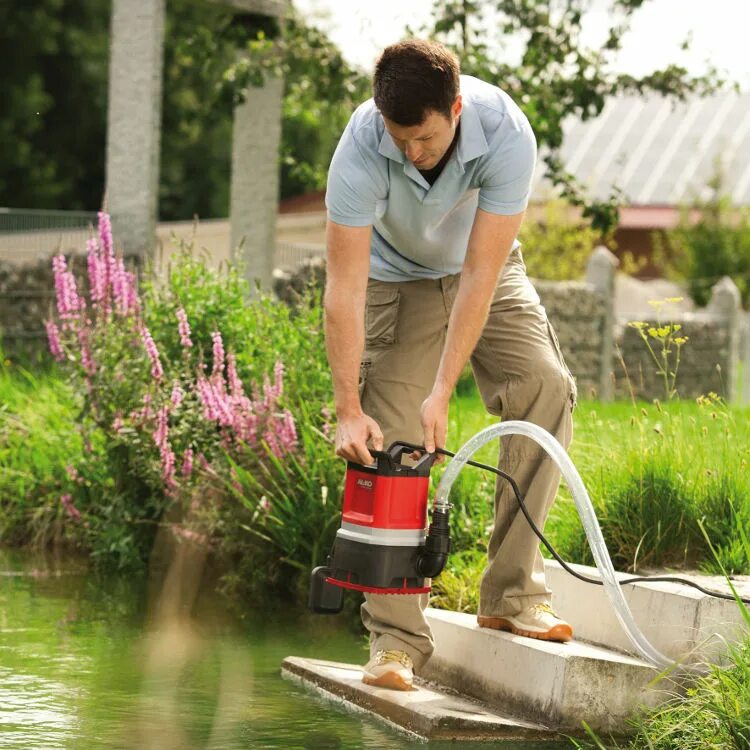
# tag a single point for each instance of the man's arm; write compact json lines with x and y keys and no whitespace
{"x":346,"y":286}
{"x":490,"y":243}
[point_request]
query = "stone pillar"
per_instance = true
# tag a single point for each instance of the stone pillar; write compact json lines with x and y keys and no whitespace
{"x":726,"y":304}
{"x":254,"y":192}
{"x":136,"y":62}
{"x":600,"y":273}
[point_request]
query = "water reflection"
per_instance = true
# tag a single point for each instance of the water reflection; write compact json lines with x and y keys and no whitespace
{"x":89,"y":662}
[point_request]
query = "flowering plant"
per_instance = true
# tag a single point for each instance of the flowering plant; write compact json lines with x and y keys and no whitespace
{"x":168,"y":421}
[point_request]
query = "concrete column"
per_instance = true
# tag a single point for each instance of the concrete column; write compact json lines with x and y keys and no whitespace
{"x":254,"y":192}
{"x":136,"y":62}
{"x":745,"y":357}
{"x":726,"y":304}
{"x":600,"y":273}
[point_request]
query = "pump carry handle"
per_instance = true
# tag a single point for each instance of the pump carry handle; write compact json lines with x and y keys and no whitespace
{"x":390,"y":460}
{"x":397,"y":449}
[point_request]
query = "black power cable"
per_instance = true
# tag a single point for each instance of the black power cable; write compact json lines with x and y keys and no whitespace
{"x":553,"y":552}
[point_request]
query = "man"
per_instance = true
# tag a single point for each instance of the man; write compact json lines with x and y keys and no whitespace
{"x":426,"y":193}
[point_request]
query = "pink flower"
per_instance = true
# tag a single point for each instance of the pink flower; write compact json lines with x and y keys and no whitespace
{"x":273,"y":443}
{"x":53,"y":338}
{"x":235,"y":384}
{"x":153,"y":354}
{"x":167,"y":466}
{"x":287,"y":432}
{"x":177,"y":395}
{"x":246,"y":420}
{"x":124,"y":289}
{"x":107,"y":249}
{"x":70,"y":509}
{"x":184,"y":328}
{"x":97,"y":272}
{"x":160,"y":433}
{"x":132,"y":302}
{"x":187,"y":462}
{"x":87,"y":359}
{"x":69,"y":303}
{"x":218,"y":352}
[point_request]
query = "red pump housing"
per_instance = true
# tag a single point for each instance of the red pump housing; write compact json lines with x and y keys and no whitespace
{"x":383,"y":523}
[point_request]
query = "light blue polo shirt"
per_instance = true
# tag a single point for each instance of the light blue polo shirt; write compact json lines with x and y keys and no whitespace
{"x":422,"y":231}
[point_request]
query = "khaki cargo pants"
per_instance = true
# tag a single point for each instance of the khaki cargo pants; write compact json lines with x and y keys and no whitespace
{"x":521,"y":374}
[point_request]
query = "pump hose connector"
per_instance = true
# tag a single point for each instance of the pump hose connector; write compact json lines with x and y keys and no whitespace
{"x":431,"y":560}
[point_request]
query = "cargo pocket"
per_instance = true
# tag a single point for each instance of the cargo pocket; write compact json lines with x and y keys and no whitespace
{"x":381,"y":315}
{"x":558,"y":349}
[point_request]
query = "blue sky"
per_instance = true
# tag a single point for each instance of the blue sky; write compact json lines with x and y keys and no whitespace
{"x":718,"y":30}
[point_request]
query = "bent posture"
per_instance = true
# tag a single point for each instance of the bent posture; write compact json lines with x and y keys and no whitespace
{"x":426,"y":194}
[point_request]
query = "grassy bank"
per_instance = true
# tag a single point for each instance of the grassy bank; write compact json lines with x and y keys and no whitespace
{"x":652,"y":471}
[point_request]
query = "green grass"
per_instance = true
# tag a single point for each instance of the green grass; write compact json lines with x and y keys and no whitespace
{"x":652,"y":471}
{"x":37,"y":442}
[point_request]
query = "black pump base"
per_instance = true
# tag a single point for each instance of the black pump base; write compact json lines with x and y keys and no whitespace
{"x":325,"y":598}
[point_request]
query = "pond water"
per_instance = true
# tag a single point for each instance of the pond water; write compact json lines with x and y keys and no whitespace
{"x":86,"y":662}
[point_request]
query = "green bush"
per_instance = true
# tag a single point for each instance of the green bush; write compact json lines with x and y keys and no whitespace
{"x":712,"y":240}
{"x":193,"y":405}
{"x":557,"y":247}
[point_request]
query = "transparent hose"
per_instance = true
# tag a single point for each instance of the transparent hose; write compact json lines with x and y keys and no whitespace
{"x":585,"y":511}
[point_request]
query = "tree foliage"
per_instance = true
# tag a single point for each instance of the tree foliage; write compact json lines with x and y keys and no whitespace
{"x":555,"y":75}
{"x":54,"y":80}
{"x":712,"y":240}
{"x":55,"y":69}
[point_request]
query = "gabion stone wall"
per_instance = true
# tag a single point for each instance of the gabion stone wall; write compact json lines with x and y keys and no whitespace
{"x":706,"y":360}
{"x":578,"y":315}
{"x":27,"y":294}
{"x":581,"y":313}
{"x":27,"y":299}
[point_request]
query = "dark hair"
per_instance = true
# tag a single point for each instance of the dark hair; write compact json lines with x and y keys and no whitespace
{"x":413,"y":77}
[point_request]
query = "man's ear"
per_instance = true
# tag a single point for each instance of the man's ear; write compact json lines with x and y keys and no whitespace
{"x":458,"y":106}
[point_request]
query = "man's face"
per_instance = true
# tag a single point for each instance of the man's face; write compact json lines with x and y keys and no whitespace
{"x":425,"y":144}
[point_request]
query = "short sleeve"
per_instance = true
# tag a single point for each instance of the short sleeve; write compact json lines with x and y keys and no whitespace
{"x":505,"y":181}
{"x":351,"y":191}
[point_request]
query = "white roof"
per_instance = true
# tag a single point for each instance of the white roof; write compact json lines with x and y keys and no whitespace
{"x":659,"y":151}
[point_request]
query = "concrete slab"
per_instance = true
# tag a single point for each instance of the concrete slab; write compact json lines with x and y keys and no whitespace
{"x":680,"y":621}
{"x":426,"y":712}
{"x":557,"y":684}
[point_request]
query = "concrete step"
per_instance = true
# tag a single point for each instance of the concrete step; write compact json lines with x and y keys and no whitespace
{"x":555,"y":684}
{"x":426,"y":713}
{"x":680,"y":621}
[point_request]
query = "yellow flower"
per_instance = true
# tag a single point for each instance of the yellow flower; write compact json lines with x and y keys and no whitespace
{"x":674,"y":299}
{"x":639,"y":324}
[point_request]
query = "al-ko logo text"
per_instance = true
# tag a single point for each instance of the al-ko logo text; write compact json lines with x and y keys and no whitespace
{"x":366,"y":483}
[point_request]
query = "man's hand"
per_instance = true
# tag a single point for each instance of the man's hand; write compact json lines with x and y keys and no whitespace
{"x":352,"y":434}
{"x":434,"y":415}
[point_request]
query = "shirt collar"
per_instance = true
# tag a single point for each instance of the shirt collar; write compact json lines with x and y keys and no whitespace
{"x":389,"y":149}
{"x":471,"y":140}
